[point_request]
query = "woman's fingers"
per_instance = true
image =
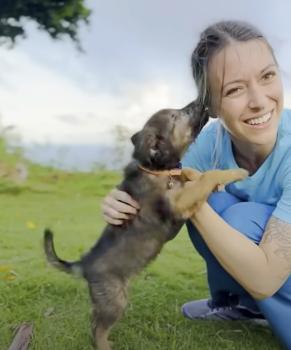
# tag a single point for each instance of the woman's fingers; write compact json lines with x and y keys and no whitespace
{"x":124,"y":197}
{"x":124,"y":208}
{"x":114,"y":213}
{"x":118,"y":206}
{"x":115,"y":208}
{"x":109,"y":220}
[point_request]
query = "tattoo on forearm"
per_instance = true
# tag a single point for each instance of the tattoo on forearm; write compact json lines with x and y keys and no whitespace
{"x":279,"y":233}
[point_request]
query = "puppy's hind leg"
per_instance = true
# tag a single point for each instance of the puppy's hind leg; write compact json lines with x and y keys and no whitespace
{"x":101,"y":338}
{"x":109,"y":301}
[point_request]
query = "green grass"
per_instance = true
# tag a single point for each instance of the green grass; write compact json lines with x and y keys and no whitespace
{"x":58,"y":305}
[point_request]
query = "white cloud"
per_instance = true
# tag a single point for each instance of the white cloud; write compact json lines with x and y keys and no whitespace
{"x":137,"y":62}
{"x":40,"y":102}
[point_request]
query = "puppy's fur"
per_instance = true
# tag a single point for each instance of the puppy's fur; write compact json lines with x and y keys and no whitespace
{"x":123,"y":251}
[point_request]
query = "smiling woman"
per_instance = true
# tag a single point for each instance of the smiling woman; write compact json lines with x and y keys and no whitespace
{"x":249,"y":99}
{"x":243,"y":233}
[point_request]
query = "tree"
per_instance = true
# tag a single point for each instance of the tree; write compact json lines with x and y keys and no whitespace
{"x":56,"y":17}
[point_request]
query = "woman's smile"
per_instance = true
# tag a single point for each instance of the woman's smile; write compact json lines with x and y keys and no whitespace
{"x":260,"y":122}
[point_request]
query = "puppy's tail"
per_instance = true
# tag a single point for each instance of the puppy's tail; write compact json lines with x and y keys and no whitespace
{"x":74,"y":268}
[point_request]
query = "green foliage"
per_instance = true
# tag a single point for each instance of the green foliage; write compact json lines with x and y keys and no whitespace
{"x":56,"y":17}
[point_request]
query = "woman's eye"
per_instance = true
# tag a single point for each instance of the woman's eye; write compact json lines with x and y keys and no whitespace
{"x":233,"y":91}
{"x":269,"y":75}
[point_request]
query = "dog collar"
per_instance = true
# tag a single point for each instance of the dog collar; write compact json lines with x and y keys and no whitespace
{"x":170,"y":173}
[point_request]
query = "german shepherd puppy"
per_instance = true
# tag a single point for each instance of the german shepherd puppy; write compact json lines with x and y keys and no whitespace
{"x":123,"y":251}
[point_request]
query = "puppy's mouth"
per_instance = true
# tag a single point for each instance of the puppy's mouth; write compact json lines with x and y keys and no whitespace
{"x":195,"y":126}
{"x":183,"y":133}
{"x":165,"y":164}
{"x":198,"y":117}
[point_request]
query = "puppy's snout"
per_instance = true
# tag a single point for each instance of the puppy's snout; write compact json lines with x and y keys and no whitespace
{"x":182,"y":116}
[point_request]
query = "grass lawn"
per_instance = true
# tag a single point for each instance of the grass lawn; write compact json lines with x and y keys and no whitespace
{"x":58,"y":305}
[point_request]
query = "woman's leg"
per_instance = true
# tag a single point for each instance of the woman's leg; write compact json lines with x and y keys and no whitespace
{"x":247,"y":217}
{"x":250,"y":219}
{"x":277,"y":310}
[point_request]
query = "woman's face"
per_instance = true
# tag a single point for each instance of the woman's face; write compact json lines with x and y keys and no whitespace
{"x":247,"y":92}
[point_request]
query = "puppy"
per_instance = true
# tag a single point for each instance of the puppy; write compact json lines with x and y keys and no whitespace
{"x":154,"y":181}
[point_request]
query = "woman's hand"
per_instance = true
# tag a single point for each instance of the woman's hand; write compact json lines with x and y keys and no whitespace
{"x":118,"y":206}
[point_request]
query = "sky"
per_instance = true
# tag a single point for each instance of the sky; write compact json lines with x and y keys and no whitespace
{"x":136,"y":61}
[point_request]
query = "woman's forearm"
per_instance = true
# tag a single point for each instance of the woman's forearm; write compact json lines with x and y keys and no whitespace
{"x":246,"y":262}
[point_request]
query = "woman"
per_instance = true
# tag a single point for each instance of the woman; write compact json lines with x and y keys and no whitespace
{"x":243,"y":233}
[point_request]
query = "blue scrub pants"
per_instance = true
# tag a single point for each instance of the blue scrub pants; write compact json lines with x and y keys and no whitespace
{"x":250,"y":219}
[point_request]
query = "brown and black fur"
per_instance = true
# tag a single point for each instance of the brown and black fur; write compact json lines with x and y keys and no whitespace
{"x":123,"y":251}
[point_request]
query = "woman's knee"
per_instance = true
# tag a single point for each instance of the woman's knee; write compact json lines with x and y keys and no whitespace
{"x":220,"y":201}
{"x":249,"y":218}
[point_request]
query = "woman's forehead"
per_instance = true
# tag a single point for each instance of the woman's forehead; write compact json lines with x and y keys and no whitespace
{"x":239,"y":61}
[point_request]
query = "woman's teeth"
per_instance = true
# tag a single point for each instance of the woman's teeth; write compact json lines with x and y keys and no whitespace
{"x":260,"y":120}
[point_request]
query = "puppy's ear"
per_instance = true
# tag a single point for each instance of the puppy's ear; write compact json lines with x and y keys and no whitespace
{"x":145,"y":137}
{"x":135,"y":138}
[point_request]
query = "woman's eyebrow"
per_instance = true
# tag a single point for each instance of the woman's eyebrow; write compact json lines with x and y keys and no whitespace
{"x":232,"y":82}
{"x":243,"y":80}
{"x":268,"y":66}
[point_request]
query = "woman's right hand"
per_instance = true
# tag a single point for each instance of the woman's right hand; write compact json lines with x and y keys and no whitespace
{"x":118,"y":206}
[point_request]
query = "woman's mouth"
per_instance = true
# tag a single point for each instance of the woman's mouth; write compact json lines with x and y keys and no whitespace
{"x":259,"y":122}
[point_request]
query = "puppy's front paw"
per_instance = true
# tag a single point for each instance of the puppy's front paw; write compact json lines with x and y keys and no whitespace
{"x":224,"y":177}
{"x":189,"y":174}
{"x":241,"y":173}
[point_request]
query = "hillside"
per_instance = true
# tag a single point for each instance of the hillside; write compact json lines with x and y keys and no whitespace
{"x":18,"y":174}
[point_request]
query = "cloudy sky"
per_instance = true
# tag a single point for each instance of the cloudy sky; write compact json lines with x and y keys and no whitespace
{"x":136,"y":61}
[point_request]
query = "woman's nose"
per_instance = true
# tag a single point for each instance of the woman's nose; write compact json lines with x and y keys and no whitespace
{"x":257,"y":97}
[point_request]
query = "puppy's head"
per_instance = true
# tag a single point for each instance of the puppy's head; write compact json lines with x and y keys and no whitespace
{"x":166,"y":135}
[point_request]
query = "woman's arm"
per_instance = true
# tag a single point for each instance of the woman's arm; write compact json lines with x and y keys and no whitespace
{"x":260,"y":269}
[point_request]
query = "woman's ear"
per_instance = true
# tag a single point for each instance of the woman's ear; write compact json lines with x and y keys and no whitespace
{"x":210,"y":112}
